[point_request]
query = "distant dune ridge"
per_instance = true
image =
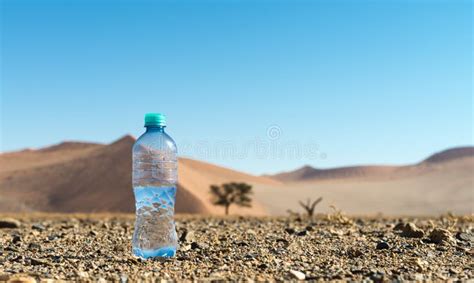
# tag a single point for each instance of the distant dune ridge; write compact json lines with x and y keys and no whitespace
{"x":308,"y":173}
{"x":451,"y":154}
{"x":90,"y":177}
{"x":443,"y":182}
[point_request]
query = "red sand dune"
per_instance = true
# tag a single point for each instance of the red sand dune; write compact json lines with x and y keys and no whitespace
{"x":85,"y":177}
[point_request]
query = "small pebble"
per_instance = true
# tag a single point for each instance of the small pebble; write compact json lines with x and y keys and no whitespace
{"x":382,"y":246}
{"x":38,"y":227}
{"x":302,"y":233}
{"x":16,"y":238}
{"x":195,"y":245}
{"x":298,"y":274}
{"x":34,"y":246}
{"x":411,"y":231}
{"x":37,"y":261}
{"x":467,"y":237}
{"x":187,"y":236}
{"x":439,"y":235}
{"x":9,"y":223}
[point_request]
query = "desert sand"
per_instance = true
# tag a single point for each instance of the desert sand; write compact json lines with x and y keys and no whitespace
{"x":441,"y":188}
{"x":443,"y":182}
{"x":84,"y":177}
{"x":89,"y":177}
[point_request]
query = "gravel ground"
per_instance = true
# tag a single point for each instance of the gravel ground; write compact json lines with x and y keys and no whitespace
{"x":97,"y":248}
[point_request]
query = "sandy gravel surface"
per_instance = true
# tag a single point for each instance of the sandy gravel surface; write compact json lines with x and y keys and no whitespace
{"x":97,"y":248}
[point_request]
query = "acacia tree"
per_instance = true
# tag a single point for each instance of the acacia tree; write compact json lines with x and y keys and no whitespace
{"x":231,"y":193}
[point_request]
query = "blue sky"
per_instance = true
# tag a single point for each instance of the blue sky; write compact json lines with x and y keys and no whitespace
{"x":356,"y":82}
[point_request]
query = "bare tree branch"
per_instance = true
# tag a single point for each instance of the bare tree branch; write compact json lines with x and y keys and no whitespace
{"x":309,"y":206}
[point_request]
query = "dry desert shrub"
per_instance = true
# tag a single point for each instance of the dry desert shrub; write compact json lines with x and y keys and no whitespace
{"x":338,"y":217}
{"x":310,"y":206}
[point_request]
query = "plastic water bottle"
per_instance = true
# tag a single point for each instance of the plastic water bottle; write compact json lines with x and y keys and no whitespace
{"x":155,"y":172}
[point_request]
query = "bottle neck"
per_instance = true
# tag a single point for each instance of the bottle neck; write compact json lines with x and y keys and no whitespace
{"x":152,"y":129}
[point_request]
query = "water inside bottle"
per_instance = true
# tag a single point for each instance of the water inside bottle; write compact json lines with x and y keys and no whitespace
{"x":154,"y":221}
